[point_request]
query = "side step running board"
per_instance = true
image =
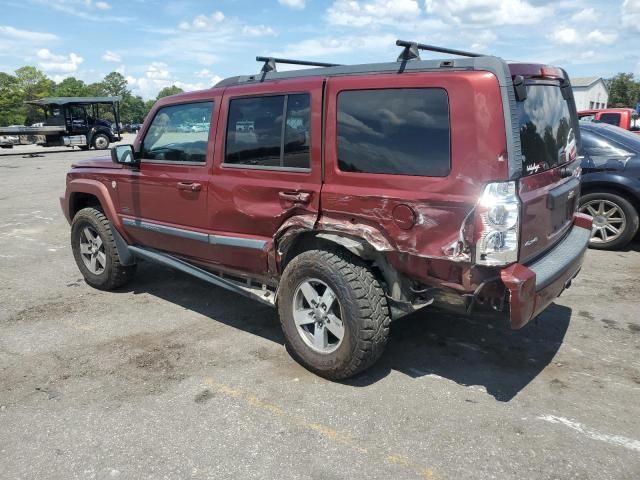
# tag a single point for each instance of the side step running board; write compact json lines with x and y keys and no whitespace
{"x":265,"y":296}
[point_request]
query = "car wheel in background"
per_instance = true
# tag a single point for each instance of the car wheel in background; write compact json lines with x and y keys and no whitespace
{"x":615,"y":219}
{"x":100,"y":141}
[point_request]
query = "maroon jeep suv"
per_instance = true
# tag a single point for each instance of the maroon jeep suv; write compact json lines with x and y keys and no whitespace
{"x":348,"y":196}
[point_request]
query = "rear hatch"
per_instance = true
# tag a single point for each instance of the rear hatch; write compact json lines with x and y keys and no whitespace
{"x":548,"y":187}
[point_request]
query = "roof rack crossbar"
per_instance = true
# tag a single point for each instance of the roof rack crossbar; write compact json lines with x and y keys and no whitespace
{"x":410,"y":46}
{"x":270,"y":63}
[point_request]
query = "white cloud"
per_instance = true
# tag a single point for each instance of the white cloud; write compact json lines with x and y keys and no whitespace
{"x":565,"y":36}
{"x":209,"y":75}
{"x":11,"y":33}
{"x":110,"y":56}
{"x":488,"y":12}
{"x":586,"y":15}
{"x":326,"y":47}
{"x":219,"y":23}
{"x":353,"y":13}
{"x":86,"y":9}
{"x":158,"y":75}
{"x":51,"y":62}
{"x":293,"y":4}
{"x":600,"y":37}
{"x":570,"y":36}
{"x":631,"y":14}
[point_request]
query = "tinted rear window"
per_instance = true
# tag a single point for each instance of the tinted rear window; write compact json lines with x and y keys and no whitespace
{"x":546,"y":131}
{"x":394,"y":131}
{"x":610,"y":118}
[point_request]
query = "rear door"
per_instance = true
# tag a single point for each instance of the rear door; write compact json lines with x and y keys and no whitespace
{"x":548,"y":189}
{"x":269,"y":169}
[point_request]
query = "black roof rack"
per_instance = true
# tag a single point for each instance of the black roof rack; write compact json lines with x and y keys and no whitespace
{"x":270,"y":63}
{"x":411,"y":50}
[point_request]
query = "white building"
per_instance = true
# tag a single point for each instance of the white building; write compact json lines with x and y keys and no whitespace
{"x":590,"y":93}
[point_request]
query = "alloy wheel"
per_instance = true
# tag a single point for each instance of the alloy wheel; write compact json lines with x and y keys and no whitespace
{"x":318,"y":316}
{"x":92,"y":251}
{"x":609,"y":221}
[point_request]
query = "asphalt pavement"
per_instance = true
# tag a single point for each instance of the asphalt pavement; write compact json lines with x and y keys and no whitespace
{"x":173,"y":378}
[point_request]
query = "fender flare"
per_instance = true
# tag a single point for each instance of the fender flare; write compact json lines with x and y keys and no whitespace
{"x":101,"y":192}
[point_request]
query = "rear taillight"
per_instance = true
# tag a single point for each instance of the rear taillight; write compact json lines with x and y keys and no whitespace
{"x":498,"y":215}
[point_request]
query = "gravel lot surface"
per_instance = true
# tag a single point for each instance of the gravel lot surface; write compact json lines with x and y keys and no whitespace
{"x":172,"y":378}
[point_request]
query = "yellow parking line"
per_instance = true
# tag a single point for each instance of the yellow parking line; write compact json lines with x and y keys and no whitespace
{"x":330,"y":433}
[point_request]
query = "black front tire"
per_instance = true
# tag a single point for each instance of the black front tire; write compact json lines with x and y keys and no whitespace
{"x":115,"y":274}
{"x":631,"y":217}
{"x":100,"y":141}
{"x":364,"y":310}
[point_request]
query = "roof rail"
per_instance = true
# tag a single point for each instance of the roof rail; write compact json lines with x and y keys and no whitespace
{"x":270,"y":63}
{"x":411,"y":52}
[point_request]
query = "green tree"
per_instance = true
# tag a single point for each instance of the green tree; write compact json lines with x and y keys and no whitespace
{"x":115,"y":84}
{"x":33,"y":84}
{"x":624,"y":91}
{"x":70,"y":87}
{"x":12,"y":111}
{"x":167,"y":91}
{"x":132,"y":109}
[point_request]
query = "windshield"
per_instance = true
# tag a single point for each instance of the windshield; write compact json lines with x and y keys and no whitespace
{"x":546,"y":132}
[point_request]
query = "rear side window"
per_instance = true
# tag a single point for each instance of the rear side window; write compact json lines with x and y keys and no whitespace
{"x":269,"y":132}
{"x":610,"y":118}
{"x":546,"y":132}
{"x":394,"y":131}
{"x":179,"y":133}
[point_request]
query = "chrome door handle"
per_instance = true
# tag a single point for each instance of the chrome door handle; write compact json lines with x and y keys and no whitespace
{"x":295,"y":197}
{"x":189,"y":186}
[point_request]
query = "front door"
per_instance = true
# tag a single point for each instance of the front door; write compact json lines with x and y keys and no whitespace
{"x":269,"y":169}
{"x":163,"y":205}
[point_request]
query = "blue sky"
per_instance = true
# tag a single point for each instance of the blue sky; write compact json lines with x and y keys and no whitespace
{"x":156,"y":43}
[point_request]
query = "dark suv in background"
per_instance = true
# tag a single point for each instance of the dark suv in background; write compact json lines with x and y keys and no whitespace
{"x":348,"y":196}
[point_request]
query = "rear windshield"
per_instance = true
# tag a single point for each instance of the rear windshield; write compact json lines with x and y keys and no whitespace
{"x":546,"y":130}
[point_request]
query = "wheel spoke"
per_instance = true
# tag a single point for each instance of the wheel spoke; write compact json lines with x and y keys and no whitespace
{"x":102,"y":259}
{"x":310,"y":294}
{"x":303,"y":317}
{"x":615,"y":220}
{"x":610,"y":212}
{"x":592,"y":211}
{"x":88,"y":235}
{"x":93,"y":264}
{"x":605,"y":237}
{"x":612,"y":229}
{"x":335,"y":326}
{"x":327,"y":299}
{"x":98,"y":241}
{"x":601,"y":207}
{"x":84,"y":249}
{"x":320,"y":337}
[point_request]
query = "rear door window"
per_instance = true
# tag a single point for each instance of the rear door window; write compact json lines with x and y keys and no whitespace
{"x":546,"y":133}
{"x":179,"y":133}
{"x":403,"y":131}
{"x":257,"y":136}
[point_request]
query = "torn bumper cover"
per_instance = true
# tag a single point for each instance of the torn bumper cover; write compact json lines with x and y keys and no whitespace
{"x":534,"y":286}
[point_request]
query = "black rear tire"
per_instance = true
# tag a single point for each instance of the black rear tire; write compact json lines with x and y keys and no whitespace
{"x":114,"y":274}
{"x":630,"y":216}
{"x":365,"y":313}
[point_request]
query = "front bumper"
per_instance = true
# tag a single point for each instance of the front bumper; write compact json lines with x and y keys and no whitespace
{"x":534,"y":286}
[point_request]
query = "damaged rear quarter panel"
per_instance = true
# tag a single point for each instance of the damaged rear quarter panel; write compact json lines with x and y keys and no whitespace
{"x":362,"y":204}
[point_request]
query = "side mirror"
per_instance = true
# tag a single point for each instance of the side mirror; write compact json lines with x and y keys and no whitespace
{"x":124,"y":155}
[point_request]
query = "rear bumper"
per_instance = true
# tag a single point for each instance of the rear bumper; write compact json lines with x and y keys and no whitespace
{"x":534,"y":286}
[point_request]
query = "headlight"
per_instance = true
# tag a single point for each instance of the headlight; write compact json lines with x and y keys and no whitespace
{"x":499,"y":214}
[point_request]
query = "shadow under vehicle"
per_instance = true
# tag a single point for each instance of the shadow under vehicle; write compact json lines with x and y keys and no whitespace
{"x":72,"y":122}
